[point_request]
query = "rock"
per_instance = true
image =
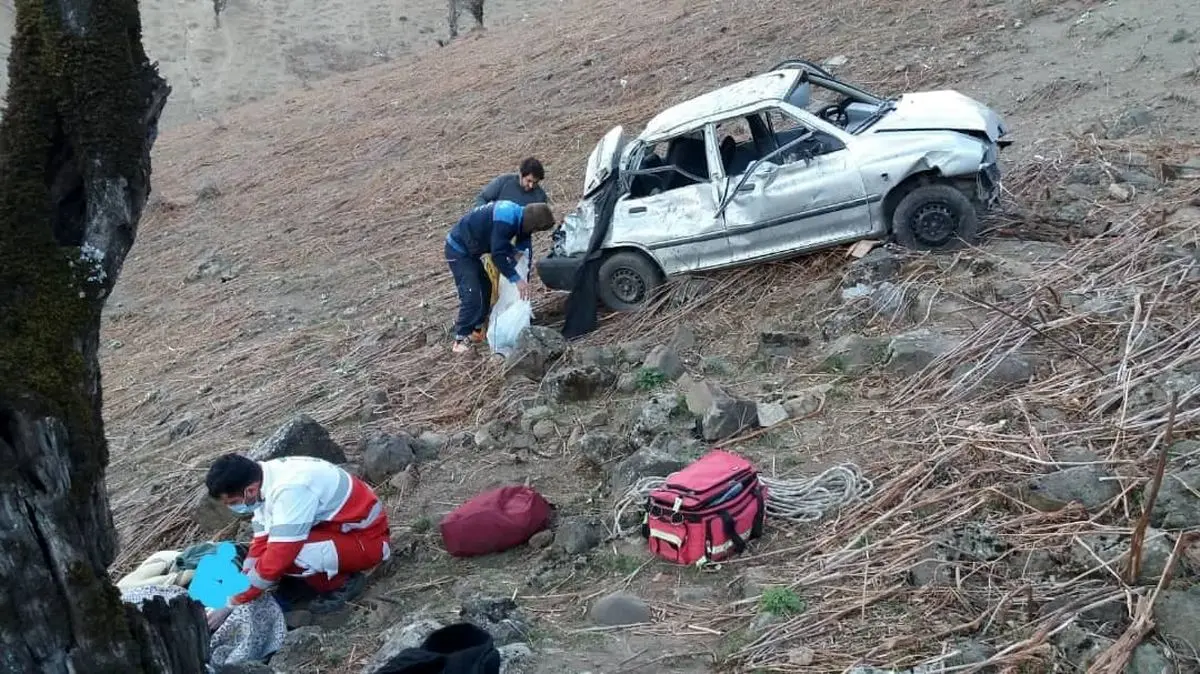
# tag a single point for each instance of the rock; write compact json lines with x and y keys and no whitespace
{"x":970,"y":542}
{"x":545,"y":430}
{"x":374,"y":405}
{"x":541,"y":539}
{"x":606,"y":357}
{"x":800,"y":404}
{"x":500,"y":616}
{"x":1091,"y":486}
{"x":301,"y":436}
{"x":384,"y":455}
{"x":1120,"y":192}
{"x":683,"y":339}
{"x":627,"y":383}
{"x":491,"y":435}
{"x":398,"y":638}
{"x":429,"y":445}
{"x":657,"y":415}
{"x":1177,"y":615}
{"x":911,"y":352}
{"x":632,"y":352}
{"x":664,"y":359}
{"x":1177,"y":506}
{"x":513,"y":656}
{"x":182,"y":429}
{"x":700,"y":395}
{"x":535,"y":414}
{"x":771,"y":414}
{"x":1148,"y":658}
{"x":536,"y":350}
{"x":1134,"y":120}
{"x":854,"y":354}
{"x":999,"y":370}
{"x":1087,"y":174}
{"x":836,"y":61}
{"x":1088,"y":549}
{"x":782,"y":339}
{"x":211,"y":516}
{"x":298,"y":618}
{"x":300,"y":647}
{"x":1139,"y":179}
{"x":576,"y":535}
{"x":755,"y":580}
{"x":970,"y":652}
{"x":619,"y":608}
{"x":599,"y":447}
{"x":726,"y":417}
{"x":595,"y":419}
{"x":579,"y":383}
{"x":1080,"y":647}
{"x":880,"y":264}
{"x":646,"y":462}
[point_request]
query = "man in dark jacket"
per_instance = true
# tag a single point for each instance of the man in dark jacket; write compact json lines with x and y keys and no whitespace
{"x":521,"y":188}
{"x":489,"y":229}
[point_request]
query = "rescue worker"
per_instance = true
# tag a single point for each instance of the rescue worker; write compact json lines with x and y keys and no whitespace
{"x":489,"y":229}
{"x":311,"y":520}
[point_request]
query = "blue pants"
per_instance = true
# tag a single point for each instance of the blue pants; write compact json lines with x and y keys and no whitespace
{"x":474,"y":291}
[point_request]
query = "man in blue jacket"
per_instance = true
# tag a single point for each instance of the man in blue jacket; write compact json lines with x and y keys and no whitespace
{"x":490,"y":228}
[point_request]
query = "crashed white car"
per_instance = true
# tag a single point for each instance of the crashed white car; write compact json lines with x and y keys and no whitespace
{"x":786,"y":162}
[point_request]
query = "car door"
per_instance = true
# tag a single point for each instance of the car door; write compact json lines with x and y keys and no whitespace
{"x":804,"y":195}
{"x":677,"y":225}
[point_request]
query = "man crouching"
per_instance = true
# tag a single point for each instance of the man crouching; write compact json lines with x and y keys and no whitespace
{"x":312,"y":520}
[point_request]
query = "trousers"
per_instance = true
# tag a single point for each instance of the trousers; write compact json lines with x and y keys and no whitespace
{"x":330,"y":555}
{"x":474,"y":291}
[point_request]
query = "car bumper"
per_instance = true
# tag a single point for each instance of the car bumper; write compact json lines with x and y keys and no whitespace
{"x":558,"y":272}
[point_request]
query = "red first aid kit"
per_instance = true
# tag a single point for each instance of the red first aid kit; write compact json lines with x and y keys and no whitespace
{"x":495,"y":521}
{"x":707,"y":511}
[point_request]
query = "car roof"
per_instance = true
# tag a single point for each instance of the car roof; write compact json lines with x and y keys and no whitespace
{"x":698,"y":111}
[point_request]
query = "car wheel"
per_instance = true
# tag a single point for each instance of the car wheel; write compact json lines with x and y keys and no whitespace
{"x":626,"y":281}
{"x":935,"y":217}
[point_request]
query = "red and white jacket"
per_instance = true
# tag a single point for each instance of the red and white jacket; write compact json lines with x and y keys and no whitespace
{"x":299,"y":494}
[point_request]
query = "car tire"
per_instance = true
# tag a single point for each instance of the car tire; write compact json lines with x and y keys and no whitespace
{"x":627,"y":280}
{"x":935,"y":217}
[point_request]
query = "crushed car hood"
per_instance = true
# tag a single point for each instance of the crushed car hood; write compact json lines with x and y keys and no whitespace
{"x":942,"y":110}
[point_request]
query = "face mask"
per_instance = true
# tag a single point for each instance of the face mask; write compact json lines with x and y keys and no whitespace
{"x":245,"y":509}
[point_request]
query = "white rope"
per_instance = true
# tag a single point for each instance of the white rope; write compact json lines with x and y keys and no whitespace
{"x":798,"y":500}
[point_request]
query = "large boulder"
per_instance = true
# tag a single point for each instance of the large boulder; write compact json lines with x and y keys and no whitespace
{"x":579,"y":383}
{"x":658,"y":460}
{"x":500,"y":616}
{"x":301,"y":436}
{"x":385,"y":455}
{"x":1177,"y":506}
{"x":721,"y":414}
{"x":854,"y":354}
{"x":619,"y":608}
{"x":599,"y":448}
{"x":536,"y":350}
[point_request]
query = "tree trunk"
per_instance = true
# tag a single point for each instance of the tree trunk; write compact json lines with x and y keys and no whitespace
{"x":83,"y":108}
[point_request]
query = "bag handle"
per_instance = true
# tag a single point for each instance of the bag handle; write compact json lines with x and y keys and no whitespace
{"x":739,"y":546}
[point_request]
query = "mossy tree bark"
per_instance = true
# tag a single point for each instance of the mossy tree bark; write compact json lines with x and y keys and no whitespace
{"x":83,"y":108}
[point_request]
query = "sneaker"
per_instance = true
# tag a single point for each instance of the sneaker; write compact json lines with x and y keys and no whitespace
{"x":336,"y":600}
{"x":461,"y":346}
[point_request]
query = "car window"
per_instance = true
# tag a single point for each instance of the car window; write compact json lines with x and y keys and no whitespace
{"x":788,"y":129}
{"x":669,"y":165}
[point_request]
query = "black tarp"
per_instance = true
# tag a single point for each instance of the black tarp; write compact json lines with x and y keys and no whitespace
{"x":583,"y":302}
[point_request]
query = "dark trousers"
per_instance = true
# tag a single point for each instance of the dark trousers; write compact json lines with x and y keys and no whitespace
{"x":474,"y":291}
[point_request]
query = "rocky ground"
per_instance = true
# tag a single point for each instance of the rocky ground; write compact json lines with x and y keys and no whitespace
{"x":1007,"y":403}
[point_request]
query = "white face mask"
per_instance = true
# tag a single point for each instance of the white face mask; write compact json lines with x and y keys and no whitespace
{"x":244,"y":508}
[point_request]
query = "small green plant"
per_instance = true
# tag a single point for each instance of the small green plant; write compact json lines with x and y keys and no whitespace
{"x":650,"y":378}
{"x":781,"y":601}
{"x":422,"y":525}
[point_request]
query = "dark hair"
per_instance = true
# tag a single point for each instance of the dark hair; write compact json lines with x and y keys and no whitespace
{"x":530,"y":165}
{"x":231,"y":474}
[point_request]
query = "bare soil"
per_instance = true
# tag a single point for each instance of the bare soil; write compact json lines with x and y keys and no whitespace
{"x":291,"y":262}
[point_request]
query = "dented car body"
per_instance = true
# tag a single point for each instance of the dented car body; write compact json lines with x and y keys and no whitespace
{"x":783,"y":163}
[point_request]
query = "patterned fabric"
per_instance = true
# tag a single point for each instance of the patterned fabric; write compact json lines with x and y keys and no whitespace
{"x":252,"y":632}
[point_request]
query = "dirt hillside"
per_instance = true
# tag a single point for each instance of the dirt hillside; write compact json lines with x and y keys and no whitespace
{"x":291,"y":263}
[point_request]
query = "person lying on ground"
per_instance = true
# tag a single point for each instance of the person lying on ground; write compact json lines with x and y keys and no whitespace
{"x":311,"y":520}
{"x":521,"y":188}
{"x":489,"y":229}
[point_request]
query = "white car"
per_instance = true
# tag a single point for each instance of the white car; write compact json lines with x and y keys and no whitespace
{"x":786,"y":162}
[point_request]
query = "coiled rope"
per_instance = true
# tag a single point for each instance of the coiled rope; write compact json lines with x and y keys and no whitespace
{"x":798,"y":500}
